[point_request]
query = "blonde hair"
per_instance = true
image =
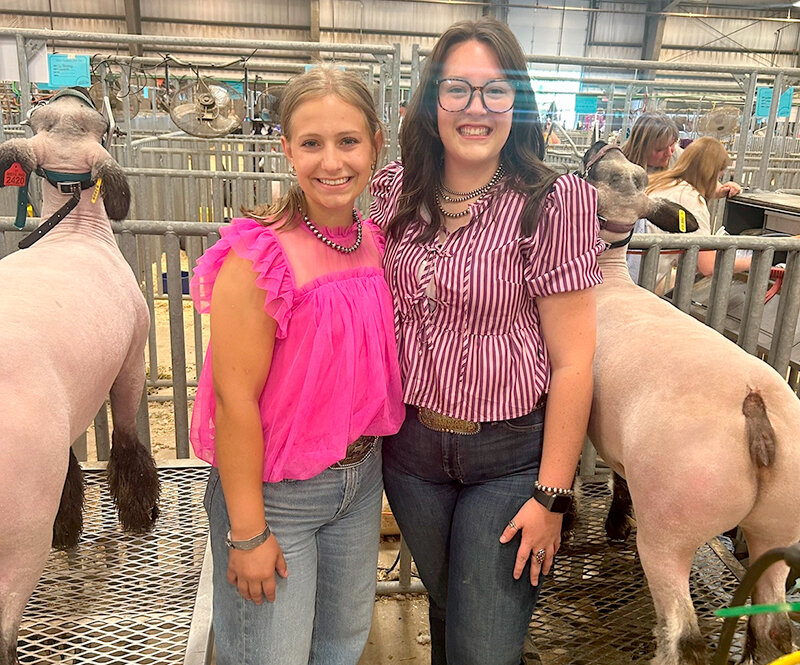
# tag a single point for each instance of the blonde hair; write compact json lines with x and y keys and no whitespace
{"x":317,"y":82}
{"x":648,"y":130}
{"x":699,"y":165}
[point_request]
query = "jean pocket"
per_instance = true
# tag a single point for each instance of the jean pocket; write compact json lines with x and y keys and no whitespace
{"x":530,"y":422}
{"x":211,"y":485}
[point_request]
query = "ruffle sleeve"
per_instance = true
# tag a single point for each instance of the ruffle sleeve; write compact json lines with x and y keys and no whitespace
{"x":377,"y":236}
{"x":564,"y":256}
{"x":256,"y":243}
{"x":386,"y":188}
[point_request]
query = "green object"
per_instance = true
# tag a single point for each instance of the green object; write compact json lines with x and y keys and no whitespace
{"x":22,"y":205}
{"x":744,"y":610}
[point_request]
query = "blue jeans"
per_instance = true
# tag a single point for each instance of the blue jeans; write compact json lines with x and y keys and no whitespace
{"x":452,"y":496}
{"x":329,"y":529}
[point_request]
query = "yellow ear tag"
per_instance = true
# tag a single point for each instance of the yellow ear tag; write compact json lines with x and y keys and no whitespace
{"x":96,"y":191}
{"x":681,"y":220}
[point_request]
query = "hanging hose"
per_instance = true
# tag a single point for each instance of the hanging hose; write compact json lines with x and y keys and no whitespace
{"x":791,"y":555}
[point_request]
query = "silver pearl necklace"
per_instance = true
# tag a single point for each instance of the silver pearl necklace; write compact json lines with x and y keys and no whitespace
{"x":335,"y":245}
{"x":459,"y":197}
{"x":449,"y":214}
{"x":465,"y":196}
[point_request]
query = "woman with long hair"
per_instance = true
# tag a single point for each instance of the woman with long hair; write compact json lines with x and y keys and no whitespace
{"x":300,"y":381}
{"x":653,"y":142}
{"x":693,"y":180}
{"x":491,"y":259}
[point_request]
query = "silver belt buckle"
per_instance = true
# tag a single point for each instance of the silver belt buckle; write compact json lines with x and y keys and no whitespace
{"x":68,"y":187}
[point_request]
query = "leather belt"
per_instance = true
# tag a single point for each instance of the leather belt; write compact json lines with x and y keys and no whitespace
{"x":356,"y":452}
{"x":439,"y":422}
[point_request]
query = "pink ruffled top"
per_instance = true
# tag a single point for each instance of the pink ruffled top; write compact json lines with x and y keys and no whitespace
{"x":334,"y":375}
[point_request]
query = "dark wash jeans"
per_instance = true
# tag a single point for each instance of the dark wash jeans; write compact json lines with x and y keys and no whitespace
{"x":452,"y":496}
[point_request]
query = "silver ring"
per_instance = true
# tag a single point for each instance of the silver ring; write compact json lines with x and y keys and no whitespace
{"x":540,"y":554}
{"x":512,"y":525}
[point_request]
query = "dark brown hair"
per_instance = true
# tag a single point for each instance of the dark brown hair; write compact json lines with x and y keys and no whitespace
{"x":422,"y":150}
{"x":314,"y":84}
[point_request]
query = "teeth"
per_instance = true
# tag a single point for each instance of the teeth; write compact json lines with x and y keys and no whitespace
{"x":338,"y":181}
{"x":474,"y":131}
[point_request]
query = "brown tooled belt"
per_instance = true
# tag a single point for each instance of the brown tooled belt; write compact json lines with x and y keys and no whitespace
{"x":439,"y":422}
{"x":356,"y":452}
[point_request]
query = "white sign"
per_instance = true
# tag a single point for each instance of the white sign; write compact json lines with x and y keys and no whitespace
{"x":9,"y":67}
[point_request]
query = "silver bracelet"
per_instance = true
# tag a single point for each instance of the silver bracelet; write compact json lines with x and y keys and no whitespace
{"x":250,"y":544}
{"x":554,"y":491}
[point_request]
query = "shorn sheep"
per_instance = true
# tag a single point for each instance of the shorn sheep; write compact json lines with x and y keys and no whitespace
{"x":74,"y":324}
{"x":706,"y":435}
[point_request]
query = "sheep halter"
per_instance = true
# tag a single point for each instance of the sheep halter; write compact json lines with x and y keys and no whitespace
{"x":66,"y":183}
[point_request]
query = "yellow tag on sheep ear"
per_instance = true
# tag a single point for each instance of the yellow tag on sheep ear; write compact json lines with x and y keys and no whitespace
{"x":682,"y":220}
{"x":96,"y":191}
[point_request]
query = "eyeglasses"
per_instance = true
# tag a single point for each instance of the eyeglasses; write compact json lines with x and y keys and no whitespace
{"x":456,"y":95}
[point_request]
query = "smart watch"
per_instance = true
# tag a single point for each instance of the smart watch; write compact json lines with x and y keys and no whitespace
{"x":555,"y":503}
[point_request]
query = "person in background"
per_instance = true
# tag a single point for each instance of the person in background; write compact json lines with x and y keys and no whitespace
{"x":300,"y":381}
{"x":550,"y":133}
{"x":653,"y":142}
{"x":693,"y":180}
{"x":491,"y":258}
{"x":653,"y":145}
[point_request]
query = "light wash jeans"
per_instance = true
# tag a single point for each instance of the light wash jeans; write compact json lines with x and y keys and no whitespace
{"x":329,"y":530}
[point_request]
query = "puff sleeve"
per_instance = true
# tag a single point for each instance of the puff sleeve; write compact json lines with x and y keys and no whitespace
{"x":386,"y":187}
{"x":563,"y":256}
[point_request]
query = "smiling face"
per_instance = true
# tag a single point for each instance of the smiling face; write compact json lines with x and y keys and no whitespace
{"x":473,"y":137}
{"x":331,"y":148}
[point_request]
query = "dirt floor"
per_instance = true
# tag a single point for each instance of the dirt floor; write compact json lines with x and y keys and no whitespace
{"x":400,"y":631}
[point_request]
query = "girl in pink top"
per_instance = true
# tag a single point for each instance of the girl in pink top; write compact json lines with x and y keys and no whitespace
{"x":300,"y":381}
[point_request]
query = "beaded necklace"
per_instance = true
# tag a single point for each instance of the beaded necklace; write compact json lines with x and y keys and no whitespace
{"x":335,"y":245}
{"x":460,"y":197}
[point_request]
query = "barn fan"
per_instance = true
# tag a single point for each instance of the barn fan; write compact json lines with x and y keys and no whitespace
{"x":207,"y":108}
{"x":116,"y":98}
{"x":719,"y":122}
{"x":266,"y":106}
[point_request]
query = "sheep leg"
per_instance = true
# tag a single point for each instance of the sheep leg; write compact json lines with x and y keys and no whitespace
{"x":132,"y":474}
{"x":769,"y":636}
{"x":667,"y":564}
{"x":618,"y":522}
{"x":29,"y":499}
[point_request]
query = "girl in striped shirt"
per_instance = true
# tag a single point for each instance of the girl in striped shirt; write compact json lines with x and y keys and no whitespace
{"x":491,"y":259}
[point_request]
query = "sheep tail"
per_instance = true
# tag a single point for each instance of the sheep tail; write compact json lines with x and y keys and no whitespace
{"x":760,"y":435}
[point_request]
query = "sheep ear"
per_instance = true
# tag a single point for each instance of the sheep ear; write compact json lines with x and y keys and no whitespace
{"x":114,"y":189}
{"x":596,"y":147}
{"x":669,"y":216}
{"x":16,"y":151}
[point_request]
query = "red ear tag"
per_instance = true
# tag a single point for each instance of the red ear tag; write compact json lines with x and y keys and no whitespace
{"x":15,"y":176}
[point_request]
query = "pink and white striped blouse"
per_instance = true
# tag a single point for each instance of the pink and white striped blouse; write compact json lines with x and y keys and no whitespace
{"x":466,"y":319}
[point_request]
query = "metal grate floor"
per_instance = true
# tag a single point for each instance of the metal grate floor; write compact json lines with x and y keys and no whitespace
{"x":596,"y":607}
{"x":120,"y":598}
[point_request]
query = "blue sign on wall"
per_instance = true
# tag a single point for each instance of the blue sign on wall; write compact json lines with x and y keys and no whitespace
{"x":585,"y":104}
{"x":66,"y":70}
{"x":764,"y":100}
